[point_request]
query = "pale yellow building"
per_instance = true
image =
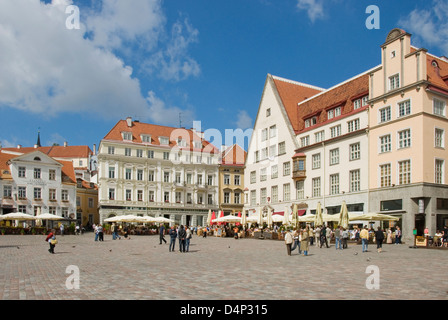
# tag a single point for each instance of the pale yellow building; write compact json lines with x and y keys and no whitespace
{"x":87,"y":203}
{"x":407,"y":135}
{"x":231,"y":180}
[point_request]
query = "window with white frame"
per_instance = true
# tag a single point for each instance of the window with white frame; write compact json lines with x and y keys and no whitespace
{"x":128,"y":195}
{"x":353,"y":125}
{"x":110,"y":150}
{"x":281,"y":148}
{"x":111,"y":172}
{"x":365,"y":101}
{"x":227,"y":179}
{"x":385,"y":175}
{"x":128,"y":174}
{"x":334,"y":183}
{"x":237,"y":198}
{"x":334,"y":156}
{"x":300,"y":187}
{"x":7,"y":192}
{"x":150,"y":154}
{"x":335,"y":131}
{"x":263,"y":175}
{"x":52,"y":174}
{"x":253,"y":177}
{"x":139,"y":153}
{"x":316,"y":187}
{"x":316,"y":161}
{"x":439,"y":171}
{"x":394,"y":82}
{"x":21,"y":193}
{"x":37,"y":173}
{"x":145,"y":138}
{"x":263,"y":196}
{"x":236,"y":180}
{"x":151,"y":175}
{"x":164,"y":141}
{"x":22,"y":172}
{"x":256,"y":156}
{"x":305,"y":141}
{"x":274,"y":172}
{"x":166,"y":155}
{"x":355,"y":151}
{"x":385,"y":143}
{"x":273,"y":131}
{"x":51,"y":194}
{"x":439,"y":107}
{"x":319,"y":136}
{"x":253,"y":197}
{"x":227,"y":197}
{"x":385,"y":114}
{"x":111,"y":193}
{"x":37,"y":193}
{"x":64,"y":195}
{"x":274,"y":194}
{"x":404,"y":108}
{"x":404,"y":138}
{"x":264,"y":134}
{"x":264,"y":153}
{"x":127,"y":136}
{"x":151,"y":196}
{"x":166,"y":196}
{"x":272,"y":151}
{"x":139,"y":195}
{"x":357,"y":104}
{"x":404,"y":172}
{"x":166,"y":176}
{"x":127,"y":152}
{"x":355,"y":180}
{"x":286,"y":168}
{"x":439,"y":138}
{"x":287,"y":192}
{"x":337,"y":111}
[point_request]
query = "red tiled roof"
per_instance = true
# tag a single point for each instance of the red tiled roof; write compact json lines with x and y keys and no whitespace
{"x":438,"y":76}
{"x":291,"y":93}
{"x":156,"y":131}
{"x":57,"y":151}
{"x":344,"y":94}
{"x":234,"y":155}
{"x":4,"y":167}
{"x":68,"y":171}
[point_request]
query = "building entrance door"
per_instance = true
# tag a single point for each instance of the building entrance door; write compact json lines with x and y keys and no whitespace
{"x":420,"y":223}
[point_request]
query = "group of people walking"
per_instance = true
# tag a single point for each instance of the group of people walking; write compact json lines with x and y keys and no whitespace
{"x":183,"y":234}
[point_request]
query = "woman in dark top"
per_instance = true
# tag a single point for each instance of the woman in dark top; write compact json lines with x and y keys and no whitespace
{"x":379,"y":236}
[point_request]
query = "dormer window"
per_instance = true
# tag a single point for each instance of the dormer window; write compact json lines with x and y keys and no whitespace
{"x":146,"y":138}
{"x":164,"y":141}
{"x":127,"y":136}
{"x":333,"y":113}
{"x":197,"y":144}
{"x":310,"y":122}
{"x":181,"y":143}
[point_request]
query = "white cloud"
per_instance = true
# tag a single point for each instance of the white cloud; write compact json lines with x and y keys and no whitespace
{"x":47,"y":69}
{"x":161,"y":114}
{"x":244,"y":121}
{"x":428,"y":27}
{"x":314,"y":8}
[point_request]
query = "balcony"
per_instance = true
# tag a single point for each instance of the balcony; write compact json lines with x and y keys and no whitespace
{"x":299,"y":168}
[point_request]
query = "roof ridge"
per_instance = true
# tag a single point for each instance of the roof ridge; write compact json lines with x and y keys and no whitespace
{"x":298,"y":83}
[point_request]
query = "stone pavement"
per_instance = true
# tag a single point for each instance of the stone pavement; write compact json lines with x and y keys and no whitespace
{"x":214,"y":269}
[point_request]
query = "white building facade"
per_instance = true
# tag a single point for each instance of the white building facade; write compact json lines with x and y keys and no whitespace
{"x":157,"y":171}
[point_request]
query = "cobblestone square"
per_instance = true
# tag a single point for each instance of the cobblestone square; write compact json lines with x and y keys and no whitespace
{"x":214,"y":269}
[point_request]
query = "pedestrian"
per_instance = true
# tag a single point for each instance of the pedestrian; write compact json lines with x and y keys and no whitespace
{"x":305,"y":242}
{"x":337,"y":238}
{"x":398,"y":235}
{"x":173,"y":236}
{"x":61,"y":227}
{"x":288,"y":242}
{"x":51,"y":239}
{"x":162,"y":233}
{"x":317,"y":236}
{"x":95,"y":229}
{"x":297,"y":237}
{"x":389,"y":235}
{"x":345,"y":236}
{"x":113,"y":227}
{"x":323,"y":237}
{"x":328,"y":235}
{"x":379,"y":237}
{"x":311,"y":236}
{"x":364,"y":235}
{"x":77,"y":230}
{"x":235,"y":232}
{"x":100,"y":232}
{"x":444,"y":237}
{"x":187,"y":239}
{"x":204,"y":233}
{"x":182,"y":234}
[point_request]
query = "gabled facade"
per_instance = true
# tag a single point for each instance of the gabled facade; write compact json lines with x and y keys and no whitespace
{"x":146,"y":169}
{"x":408,"y":125}
{"x":33,"y":181}
{"x":268,"y":175}
{"x":231,"y":180}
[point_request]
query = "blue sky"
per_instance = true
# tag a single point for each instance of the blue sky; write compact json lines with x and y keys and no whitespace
{"x":206,"y":60}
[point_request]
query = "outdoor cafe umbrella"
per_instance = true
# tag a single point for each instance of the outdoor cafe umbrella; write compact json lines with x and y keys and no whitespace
{"x":213,"y":217}
{"x":318,"y":217}
{"x":209,"y":217}
{"x":49,"y":216}
{"x":260,"y":218}
{"x":295,"y":216}
{"x":243,"y":219}
{"x":229,"y":219}
{"x":269,"y":218}
{"x":149,"y":219}
{"x":239,"y":215}
{"x":38,"y":220}
{"x":162,"y":220}
{"x":17,"y":216}
{"x":343,"y":216}
{"x":114,"y":219}
{"x":307,"y":218}
{"x":252,"y":218}
{"x":374,"y":216}
{"x":285,"y":217}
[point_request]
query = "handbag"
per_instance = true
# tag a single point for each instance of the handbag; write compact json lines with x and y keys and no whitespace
{"x":54,"y":241}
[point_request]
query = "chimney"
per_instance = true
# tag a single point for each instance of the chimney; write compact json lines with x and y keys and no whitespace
{"x":129,"y":121}
{"x":65,"y":144}
{"x":94,"y":149}
{"x":19,"y":146}
{"x":36,"y":146}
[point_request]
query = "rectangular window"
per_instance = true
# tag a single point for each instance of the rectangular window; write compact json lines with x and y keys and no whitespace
{"x":150,"y":154}
{"x":305,"y":141}
{"x":237,"y":198}
{"x":355,"y":180}
{"x":357,"y":104}
{"x":210,"y":180}
{"x":253,"y":177}
{"x":300,"y":186}
{"x":286,"y":168}
{"x":166,"y":155}
{"x":385,"y":114}
{"x":139,"y":195}
{"x":189,"y":178}
{"x":52,"y":175}
{"x":274,"y":194}
{"x":281,"y":148}
{"x":274,"y":172}
{"x":226,"y":179}
{"x":439,"y":107}
{"x":272,"y":151}
{"x":236,"y":180}
{"x":264,"y":134}
{"x":391,"y":205}
{"x":334,"y":183}
{"x":151,"y":175}
{"x":151,"y":196}
{"x":319,"y":136}
{"x":330,"y":114}
{"x":127,"y":152}
{"x":139,"y":174}
{"x":200,"y":179}
{"x":256,"y":156}
{"x":139,"y":153}
{"x":263,"y":196}
{"x":226,"y":197}
{"x":404,"y":172}
{"x":111,"y":193}
{"x":385,"y":144}
{"x":52,"y":194}
{"x":263,"y":175}
{"x":210,"y":199}
{"x":37,"y":173}
{"x":64,"y":195}
{"x":355,"y":151}
{"x":334,"y":156}
{"x":22,"y":193}
{"x":166,"y":177}
{"x":164,"y":141}
{"x":166,"y":196}
{"x":404,"y":139}
{"x":273,"y":131}
{"x":385,"y":175}
{"x":128,"y":174}
{"x":110,"y":150}
{"x":316,"y":187}
{"x":394,"y":82}
{"x":127,"y":136}
{"x":316,"y":161}
{"x":253,"y":197}
{"x":353,"y":125}
{"x":404,"y":108}
{"x":90,"y":202}
{"x":439,"y":171}
{"x":111,"y":172}
{"x":7,"y":192}
{"x":264,"y":153}
{"x":335,"y":131}
{"x":286,"y":192}
{"x":439,"y":141}
{"x":22,"y":172}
